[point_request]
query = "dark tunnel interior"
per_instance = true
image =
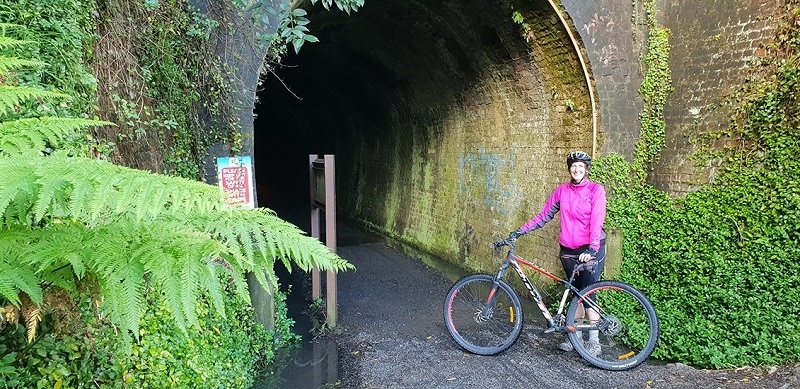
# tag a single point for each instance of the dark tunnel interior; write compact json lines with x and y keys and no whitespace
{"x":394,"y":65}
{"x":317,"y":99}
{"x":369,"y":69}
{"x":304,"y":109}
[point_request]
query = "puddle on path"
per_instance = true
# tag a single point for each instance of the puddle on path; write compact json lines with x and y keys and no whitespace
{"x":313,"y":365}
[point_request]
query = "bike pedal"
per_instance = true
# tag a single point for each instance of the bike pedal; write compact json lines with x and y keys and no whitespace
{"x":549,"y":330}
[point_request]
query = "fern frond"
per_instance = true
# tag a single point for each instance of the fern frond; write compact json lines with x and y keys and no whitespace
{"x":95,"y":189}
{"x":32,"y":316}
{"x":8,"y":64}
{"x":16,"y":280}
{"x":12,"y":96}
{"x":9,"y":314}
{"x":209,"y":283}
{"x":17,"y":187}
{"x":189,"y":287}
{"x":18,"y":136}
{"x":52,"y":192}
{"x":17,"y":277}
{"x":124,"y":295}
{"x":8,"y":42}
{"x":257,"y":238}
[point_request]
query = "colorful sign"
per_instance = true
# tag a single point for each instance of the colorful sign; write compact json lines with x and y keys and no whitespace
{"x":236,"y":180}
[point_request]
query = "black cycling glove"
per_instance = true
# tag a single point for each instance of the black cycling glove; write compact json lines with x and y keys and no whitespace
{"x":589,"y":254}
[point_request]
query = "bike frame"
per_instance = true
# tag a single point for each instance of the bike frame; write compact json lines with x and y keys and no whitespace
{"x":556,"y":323}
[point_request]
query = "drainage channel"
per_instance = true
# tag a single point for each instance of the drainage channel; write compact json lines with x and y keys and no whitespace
{"x":314,"y":362}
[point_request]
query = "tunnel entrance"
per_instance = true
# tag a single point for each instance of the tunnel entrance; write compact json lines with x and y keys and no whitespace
{"x":425,"y":105}
{"x":391,"y":80}
{"x":445,"y":118}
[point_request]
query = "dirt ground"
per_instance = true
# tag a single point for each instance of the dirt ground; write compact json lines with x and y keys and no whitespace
{"x":391,"y":334}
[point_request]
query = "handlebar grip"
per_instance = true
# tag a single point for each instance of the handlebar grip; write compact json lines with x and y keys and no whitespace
{"x":589,"y":265}
{"x":503,"y":242}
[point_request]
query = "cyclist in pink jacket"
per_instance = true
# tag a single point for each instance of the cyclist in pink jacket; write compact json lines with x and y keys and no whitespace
{"x":582,"y":204}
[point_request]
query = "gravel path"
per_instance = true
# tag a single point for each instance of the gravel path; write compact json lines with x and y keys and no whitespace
{"x":391,"y":335}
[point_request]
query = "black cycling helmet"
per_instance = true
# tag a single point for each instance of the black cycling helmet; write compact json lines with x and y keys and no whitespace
{"x":581,"y":156}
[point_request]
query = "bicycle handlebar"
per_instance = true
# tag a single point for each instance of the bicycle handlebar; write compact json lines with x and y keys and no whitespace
{"x":589,"y":265}
{"x":504,"y":242}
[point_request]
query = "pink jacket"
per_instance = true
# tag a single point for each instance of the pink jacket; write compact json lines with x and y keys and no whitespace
{"x":583,"y":212}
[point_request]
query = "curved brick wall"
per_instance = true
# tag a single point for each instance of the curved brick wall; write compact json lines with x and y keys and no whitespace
{"x":449,"y":121}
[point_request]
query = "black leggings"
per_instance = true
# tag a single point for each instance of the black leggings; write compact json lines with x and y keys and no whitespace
{"x":584,"y":278}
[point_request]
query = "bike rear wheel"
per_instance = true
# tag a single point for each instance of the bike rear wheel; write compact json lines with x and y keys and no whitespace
{"x":474,"y":326}
{"x":628,"y":326}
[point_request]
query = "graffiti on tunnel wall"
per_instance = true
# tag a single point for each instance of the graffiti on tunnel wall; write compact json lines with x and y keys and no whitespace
{"x":482,"y":173}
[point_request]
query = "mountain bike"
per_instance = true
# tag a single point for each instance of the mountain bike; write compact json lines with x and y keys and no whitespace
{"x":484,"y":314}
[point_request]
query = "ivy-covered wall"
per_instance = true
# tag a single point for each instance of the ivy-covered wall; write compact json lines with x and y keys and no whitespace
{"x":711,"y":58}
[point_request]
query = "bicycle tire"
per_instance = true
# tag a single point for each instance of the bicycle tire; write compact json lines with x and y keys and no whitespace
{"x":629,"y":325}
{"x":474,"y":331}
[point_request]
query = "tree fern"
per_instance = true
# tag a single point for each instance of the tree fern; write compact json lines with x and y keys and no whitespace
{"x":70,"y":222}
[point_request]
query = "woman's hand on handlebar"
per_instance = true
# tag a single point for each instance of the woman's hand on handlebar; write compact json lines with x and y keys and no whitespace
{"x":588,"y":255}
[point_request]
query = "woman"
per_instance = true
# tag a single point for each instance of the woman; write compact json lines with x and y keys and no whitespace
{"x":583,"y":211}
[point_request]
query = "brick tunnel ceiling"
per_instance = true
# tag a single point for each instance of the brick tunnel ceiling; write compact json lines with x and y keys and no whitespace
{"x":370,"y":68}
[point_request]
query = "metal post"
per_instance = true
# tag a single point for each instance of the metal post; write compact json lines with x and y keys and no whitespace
{"x":330,"y":234}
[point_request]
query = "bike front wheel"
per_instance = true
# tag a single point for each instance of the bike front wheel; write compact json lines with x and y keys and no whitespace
{"x":627,"y":331}
{"x":482,"y":316}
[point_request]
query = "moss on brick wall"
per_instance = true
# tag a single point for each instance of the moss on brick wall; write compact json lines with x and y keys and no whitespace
{"x":473,"y":147}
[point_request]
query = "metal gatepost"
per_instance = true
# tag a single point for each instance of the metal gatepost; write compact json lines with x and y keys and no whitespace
{"x":323,"y":200}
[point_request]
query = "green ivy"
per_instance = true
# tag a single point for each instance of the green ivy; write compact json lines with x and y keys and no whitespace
{"x":181,"y":77}
{"x":720,"y":264}
{"x":656,"y":85}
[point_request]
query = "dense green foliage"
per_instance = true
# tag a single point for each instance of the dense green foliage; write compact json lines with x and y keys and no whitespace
{"x":721,"y":265}
{"x":112,"y":276}
{"x":58,"y":32}
{"x":656,"y":85}
{"x":171,"y":44}
{"x":222,"y":352}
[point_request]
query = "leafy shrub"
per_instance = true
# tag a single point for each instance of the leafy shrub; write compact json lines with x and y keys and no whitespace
{"x":721,"y":265}
{"x":220,"y":352}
